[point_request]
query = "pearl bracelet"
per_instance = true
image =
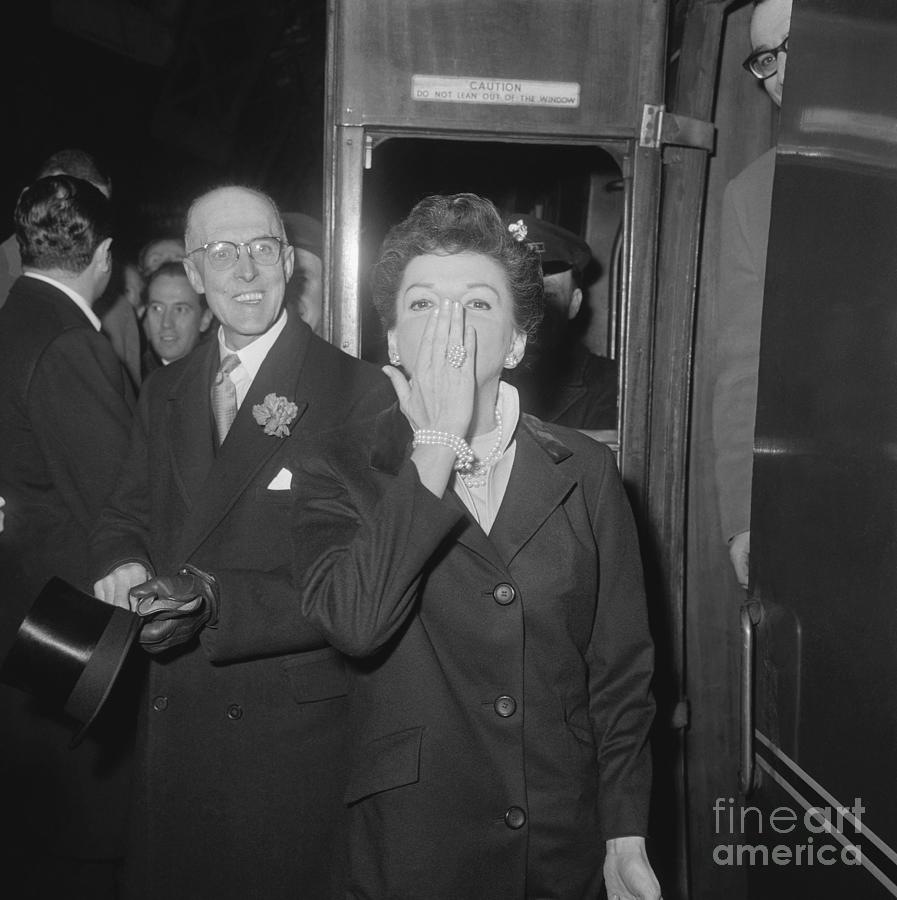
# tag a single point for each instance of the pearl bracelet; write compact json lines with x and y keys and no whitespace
{"x":464,"y":455}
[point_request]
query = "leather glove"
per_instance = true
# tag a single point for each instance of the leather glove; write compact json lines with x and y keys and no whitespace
{"x":175,"y":607}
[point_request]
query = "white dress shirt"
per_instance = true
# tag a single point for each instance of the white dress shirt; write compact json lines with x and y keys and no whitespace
{"x":251,"y":356}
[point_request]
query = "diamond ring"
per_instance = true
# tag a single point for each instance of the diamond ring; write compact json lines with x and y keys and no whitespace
{"x":456,"y":355}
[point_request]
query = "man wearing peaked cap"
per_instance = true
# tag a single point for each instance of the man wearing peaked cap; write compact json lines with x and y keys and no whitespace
{"x":565,"y":383}
{"x":561,"y":250}
{"x":305,"y":290}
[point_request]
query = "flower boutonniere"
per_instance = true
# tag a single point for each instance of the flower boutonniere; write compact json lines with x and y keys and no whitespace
{"x":276,"y":414}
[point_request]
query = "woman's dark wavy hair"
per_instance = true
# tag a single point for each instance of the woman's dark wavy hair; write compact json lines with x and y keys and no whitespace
{"x":458,"y":223}
{"x":60,"y":222}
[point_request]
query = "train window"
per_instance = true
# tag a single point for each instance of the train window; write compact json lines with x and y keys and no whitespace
{"x":578,"y":188}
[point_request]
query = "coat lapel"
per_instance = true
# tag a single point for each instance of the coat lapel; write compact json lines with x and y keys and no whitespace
{"x":247,"y":448}
{"x":472,"y":535}
{"x":534,"y":491}
{"x":390,"y":448}
{"x":189,"y":426}
{"x":536,"y":488}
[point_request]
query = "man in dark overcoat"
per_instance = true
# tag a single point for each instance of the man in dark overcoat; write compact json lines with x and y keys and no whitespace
{"x":242,"y":743}
{"x":65,"y":412}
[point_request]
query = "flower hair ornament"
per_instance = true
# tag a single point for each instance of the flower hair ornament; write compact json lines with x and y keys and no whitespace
{"x":518,"y":230}
{"x":275,"y":414}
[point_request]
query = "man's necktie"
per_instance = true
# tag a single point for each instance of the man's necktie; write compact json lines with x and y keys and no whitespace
{"x":224,"y":396}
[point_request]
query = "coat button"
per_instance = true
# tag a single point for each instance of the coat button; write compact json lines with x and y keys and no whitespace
{"x":235,"y":711}
{"x":505,"y":706}
{"x":515,"y":817}
{"x":160,"y":703}
{"x":504,"y":594}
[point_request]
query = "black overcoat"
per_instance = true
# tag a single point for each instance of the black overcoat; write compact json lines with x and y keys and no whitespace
{"x":500,"y":704}
{"x":242,"y":748}
{"x":65,"y":416}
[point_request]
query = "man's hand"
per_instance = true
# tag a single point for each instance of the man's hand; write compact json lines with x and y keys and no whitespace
{"x":627,"y":873}
{"x":740,"y":554}
{"x":114,"y":588}
{"x":175,"y":608}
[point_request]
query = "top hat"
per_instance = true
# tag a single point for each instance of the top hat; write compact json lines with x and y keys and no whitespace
{"x":558,"y":248}
{"x":69,"y":650}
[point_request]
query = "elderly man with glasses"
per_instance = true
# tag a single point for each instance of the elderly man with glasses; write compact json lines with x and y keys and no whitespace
{"x":743,"y":240}
{"x":242,"y":741}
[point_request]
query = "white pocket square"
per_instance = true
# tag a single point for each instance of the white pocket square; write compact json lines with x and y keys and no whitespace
{"x":281,"y":481}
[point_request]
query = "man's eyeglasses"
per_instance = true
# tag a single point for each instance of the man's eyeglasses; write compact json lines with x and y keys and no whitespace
{"x":763,"y":64}
{"x":266,"y":251}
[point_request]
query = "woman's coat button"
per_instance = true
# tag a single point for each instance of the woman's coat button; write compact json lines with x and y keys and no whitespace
{"x":504,"y":594}
{"x":505,"y":706}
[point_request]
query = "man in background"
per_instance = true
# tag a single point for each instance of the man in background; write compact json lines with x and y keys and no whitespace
{"x":306,"y":288}
{"x":176,"y":316}
{"x":118,"y":313}
{"x":561,"y":380}
{"x":65,"y":412}
{"x":158,"y":250}
{"x":118,"y":320}
{"x":747,"y":202}
{"x":75,"y":162}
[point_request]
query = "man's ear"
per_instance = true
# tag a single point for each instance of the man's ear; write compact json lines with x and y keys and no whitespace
{"x":575,"y":303}
{"x":289,"y":261}
{"x":205,"y":320}
{"x":194,"y":276}
{"x":102,"y":256}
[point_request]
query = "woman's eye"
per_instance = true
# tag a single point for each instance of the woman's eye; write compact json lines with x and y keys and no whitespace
{"x":478,"y":303}
{"x":420,"y":304}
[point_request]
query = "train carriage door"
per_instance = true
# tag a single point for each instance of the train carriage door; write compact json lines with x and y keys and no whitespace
{"x":557,"y":106}
{"x":821,"y":817}
{"x":516,"y":77}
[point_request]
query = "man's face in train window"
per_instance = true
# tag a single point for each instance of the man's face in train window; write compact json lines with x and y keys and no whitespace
{"x":770,"y":24}
{"x":562,"y":295}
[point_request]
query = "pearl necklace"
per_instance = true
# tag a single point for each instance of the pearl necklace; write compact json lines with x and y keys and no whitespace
{"x":479,"y":473}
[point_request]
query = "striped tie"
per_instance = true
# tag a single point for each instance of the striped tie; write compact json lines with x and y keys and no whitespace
{"x":224,"y":396}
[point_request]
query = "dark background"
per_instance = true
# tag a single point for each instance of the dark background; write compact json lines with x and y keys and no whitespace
{"x":170,"y":96}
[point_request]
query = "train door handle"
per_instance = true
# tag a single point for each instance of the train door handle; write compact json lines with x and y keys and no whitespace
{"x":751,"y":614}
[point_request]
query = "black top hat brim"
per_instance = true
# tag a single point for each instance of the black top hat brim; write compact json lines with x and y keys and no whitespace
{"x":92,"y":689}
{"x":69,"y":651}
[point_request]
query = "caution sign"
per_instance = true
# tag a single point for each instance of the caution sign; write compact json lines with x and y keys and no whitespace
{"x":501,"y":91}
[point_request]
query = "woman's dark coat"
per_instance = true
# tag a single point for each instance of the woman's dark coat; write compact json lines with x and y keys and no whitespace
{"x":500,"y":704}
